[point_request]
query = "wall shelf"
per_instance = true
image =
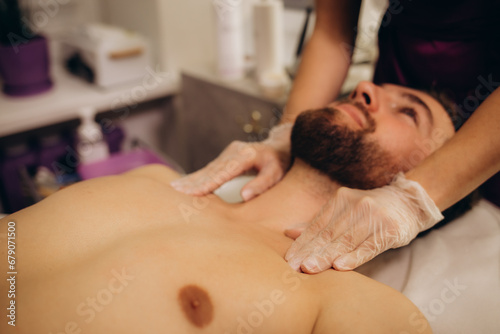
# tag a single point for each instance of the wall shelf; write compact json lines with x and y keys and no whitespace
{"x":71,"y":93}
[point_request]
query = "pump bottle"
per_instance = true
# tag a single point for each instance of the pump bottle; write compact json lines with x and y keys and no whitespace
{"x":91,"y":145}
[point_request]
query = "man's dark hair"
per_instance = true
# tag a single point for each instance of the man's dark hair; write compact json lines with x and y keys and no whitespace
{"x":446,"y":102}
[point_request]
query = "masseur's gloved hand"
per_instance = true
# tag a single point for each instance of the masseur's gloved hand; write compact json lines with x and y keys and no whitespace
{"x":357,"y":225}
{"x":271,"y":159}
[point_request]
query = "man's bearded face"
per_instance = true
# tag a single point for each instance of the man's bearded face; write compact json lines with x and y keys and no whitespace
{"x":349,"y":157}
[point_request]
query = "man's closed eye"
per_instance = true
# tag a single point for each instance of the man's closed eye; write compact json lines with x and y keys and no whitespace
{"x":410,"y":112}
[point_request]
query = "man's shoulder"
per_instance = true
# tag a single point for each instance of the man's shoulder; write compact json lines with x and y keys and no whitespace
{"x":157,"y":172}
{"x":358,"y":304}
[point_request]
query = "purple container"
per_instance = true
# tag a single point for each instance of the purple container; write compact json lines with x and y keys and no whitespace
{"x":17,"y":157}
{"x":51,"y":149}
{"x":114,"y":138}
{"x":119,"y":163}
{"x":25,"y":67}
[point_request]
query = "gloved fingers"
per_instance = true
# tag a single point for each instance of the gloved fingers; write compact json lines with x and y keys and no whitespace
{"x":267,"y":177}
{"x":324,"y":258}
{"x":293,"y":256}
{"x":319,"y":223}
{"x":311,"y":247}
{"x":200,"y":182}
{"x":308,"y":251}
{"x":233,"y":161}
{"x":293,"y":232}
{"x":197,"y":183}
{"x":315,"y":264}
{"x":357,"y":225}
{"x":341,"y":226}
{"x":380,"y":239}
{"x":337,"y":219}
{"x":354,"y":259}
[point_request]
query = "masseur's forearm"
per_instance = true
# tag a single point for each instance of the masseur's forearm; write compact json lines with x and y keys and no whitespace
{"x":467,"y":160}
{"x":319,"y":78}
{"x":326,"y":58}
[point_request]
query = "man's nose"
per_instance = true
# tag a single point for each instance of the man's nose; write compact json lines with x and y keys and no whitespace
{"x":366,"y":94}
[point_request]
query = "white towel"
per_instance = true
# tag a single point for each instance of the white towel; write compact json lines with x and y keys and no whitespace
{"x":452,"y":274}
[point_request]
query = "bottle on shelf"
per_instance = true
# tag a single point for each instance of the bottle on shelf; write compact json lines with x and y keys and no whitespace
{"x":91,"y":145}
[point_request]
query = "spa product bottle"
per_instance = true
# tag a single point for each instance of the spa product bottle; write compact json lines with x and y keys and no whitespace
{"x":230,"y":46}
{"x":91,"y":145}
{"x":269,"y":33}
{"x":269,"y":45}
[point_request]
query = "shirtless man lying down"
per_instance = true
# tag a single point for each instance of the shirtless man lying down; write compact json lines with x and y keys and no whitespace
{"x":129,"y":254}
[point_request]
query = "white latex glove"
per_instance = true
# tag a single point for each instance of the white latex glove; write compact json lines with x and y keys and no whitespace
{"x":357,"y":225}
{"x":271,"y":159}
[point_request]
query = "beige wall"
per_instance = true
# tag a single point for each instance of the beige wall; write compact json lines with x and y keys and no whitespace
{"x":181,"y":31}
{"x":189,"y":27}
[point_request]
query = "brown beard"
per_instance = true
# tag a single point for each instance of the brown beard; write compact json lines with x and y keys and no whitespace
{"x":347,"y":156}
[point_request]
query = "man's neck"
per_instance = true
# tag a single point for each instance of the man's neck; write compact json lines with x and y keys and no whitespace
{"x":294,"y":200}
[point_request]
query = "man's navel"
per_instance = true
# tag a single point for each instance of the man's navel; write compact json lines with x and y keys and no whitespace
{"x":196,"y":305}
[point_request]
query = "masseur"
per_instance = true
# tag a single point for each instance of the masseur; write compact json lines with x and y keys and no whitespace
{"x":449,"y":44}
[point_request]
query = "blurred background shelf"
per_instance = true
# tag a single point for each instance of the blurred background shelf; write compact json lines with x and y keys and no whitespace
{"x":71,"y":93}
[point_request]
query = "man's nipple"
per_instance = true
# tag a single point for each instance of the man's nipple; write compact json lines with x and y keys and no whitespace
{"x":196,"y":305}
